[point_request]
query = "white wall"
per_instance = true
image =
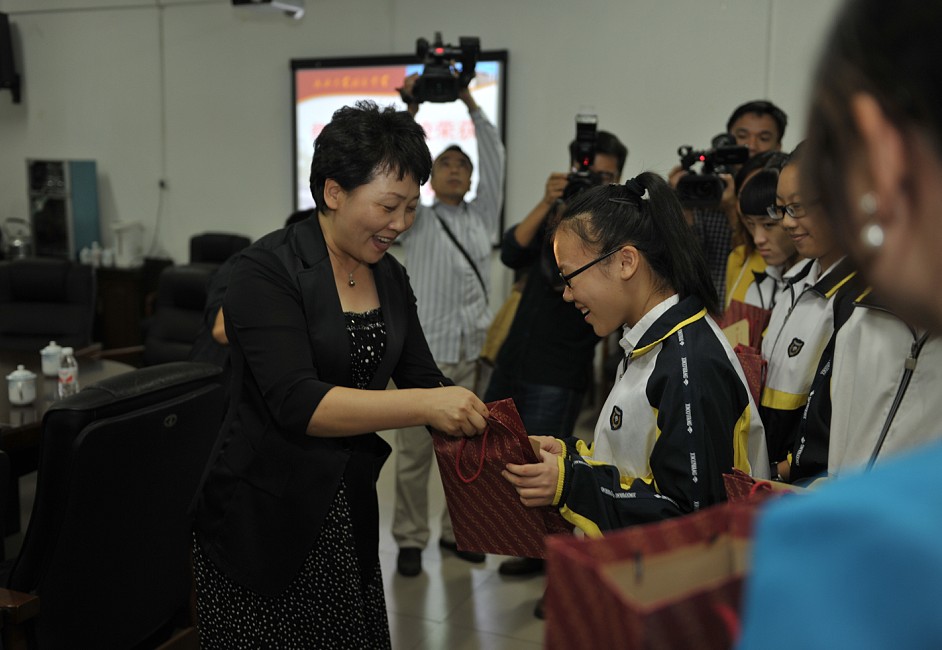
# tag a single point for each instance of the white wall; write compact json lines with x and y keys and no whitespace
{"x":197,"y":93}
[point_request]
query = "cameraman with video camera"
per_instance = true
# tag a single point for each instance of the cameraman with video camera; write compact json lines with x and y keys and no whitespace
{"x":448,"y":257}
{"x":758,"y":126}
{"x":545,"y":362}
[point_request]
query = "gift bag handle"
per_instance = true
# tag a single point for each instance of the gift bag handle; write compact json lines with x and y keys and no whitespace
{"x":461,"y":446}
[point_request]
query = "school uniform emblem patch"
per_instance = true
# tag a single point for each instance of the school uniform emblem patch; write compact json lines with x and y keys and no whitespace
{"x":795,"y":347}
{"x":614,"y":420}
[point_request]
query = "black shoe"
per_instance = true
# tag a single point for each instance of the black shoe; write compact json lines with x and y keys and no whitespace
{"x":467,"y":556}
{"x":409,"y":562}
{"x":520,"y":566}
{"x":538,"y":610}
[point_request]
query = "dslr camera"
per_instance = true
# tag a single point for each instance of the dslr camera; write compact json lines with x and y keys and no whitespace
{"x":705,"y":189}
{"x":582,"y":177}
{"x":442,"y":77}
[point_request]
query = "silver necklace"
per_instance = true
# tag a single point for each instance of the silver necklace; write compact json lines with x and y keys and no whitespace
{"x":350,"y":281}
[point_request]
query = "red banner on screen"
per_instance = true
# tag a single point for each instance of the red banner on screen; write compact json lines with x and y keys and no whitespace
{"x":366,"y":81}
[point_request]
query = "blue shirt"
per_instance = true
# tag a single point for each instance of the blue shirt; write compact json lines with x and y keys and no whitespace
{"x":855,"y":564}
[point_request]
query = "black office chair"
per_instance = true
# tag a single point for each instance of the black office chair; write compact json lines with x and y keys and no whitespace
{"x":45,"y":299}
{"x":216,"y":247}
{"x":178,"y":313}
{"x":107,"y":551}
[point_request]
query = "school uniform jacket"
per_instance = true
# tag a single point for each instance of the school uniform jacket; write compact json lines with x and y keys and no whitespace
{"x":797,"y":335}
{"x":678,"y":417}
{"x":879,"y":360}
{"x":765,"y":287}
{"x":809,"y":458}
{"x":268,"y":490}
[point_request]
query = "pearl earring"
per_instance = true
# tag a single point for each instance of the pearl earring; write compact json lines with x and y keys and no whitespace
{"x":872,"y":234}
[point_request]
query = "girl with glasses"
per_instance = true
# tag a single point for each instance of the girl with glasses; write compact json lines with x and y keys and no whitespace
{"x":800,"y":328}
{"x":679,"y":414}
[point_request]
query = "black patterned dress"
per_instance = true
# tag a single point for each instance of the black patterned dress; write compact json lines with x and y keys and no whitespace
{"x":327,"y":605}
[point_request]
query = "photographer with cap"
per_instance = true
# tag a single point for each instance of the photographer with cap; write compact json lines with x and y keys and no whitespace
{"x":448,"y":257}
{"x":758,"y":125}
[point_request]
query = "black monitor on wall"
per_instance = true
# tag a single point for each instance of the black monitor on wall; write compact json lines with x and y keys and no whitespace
{"x":9,"y":79}
{"x":321,"y":86}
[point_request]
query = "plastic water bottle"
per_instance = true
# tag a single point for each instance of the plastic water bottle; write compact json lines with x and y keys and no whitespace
{"x":68,"y":373}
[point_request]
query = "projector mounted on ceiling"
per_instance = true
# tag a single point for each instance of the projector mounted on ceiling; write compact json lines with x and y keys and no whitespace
{"x":293,"y":8}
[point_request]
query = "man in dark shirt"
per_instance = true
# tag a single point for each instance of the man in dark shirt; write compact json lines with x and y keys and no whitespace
{"x":545,"y":363}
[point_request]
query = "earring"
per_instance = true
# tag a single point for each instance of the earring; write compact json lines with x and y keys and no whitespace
{"x":872,"y":234}
{"x":868,"y":204}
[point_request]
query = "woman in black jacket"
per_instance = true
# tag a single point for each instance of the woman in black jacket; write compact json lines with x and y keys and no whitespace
{"x":319,"y":319}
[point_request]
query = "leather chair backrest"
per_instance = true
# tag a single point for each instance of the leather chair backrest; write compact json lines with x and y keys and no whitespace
{"x":108,"y":543}
{"x":178,"y":313}
{"x":44,"y":299}
{"x":216,"y":247}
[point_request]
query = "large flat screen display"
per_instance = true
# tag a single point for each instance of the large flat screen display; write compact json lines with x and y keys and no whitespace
{"x":321,"y":86}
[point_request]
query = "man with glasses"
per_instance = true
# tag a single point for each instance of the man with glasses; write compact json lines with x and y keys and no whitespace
{"x":545,"y":363}
{"x":758,"y":125}
{"x":448,"y":256}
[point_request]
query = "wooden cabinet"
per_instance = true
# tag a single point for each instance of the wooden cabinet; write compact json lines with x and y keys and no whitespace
{"x":125,"y":300}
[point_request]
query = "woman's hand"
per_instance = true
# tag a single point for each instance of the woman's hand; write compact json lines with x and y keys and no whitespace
{"x":456,"y":411}
{"x":550,"y":444}
{"x":536,"y":482}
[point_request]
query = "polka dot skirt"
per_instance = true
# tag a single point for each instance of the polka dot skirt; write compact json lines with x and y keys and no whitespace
{"x":326,"y":605}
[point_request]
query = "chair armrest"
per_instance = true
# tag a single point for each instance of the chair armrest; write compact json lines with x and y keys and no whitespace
{"x":16,"y":609}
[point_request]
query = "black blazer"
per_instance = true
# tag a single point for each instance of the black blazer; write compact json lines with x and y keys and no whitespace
{"x":267,"y":491}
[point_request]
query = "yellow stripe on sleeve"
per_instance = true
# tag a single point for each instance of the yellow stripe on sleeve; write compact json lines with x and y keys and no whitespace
{"x":586,"y":525}
{"x":782,"y":401}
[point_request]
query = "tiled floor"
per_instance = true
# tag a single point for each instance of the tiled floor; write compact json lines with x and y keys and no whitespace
{"x":452,"y":603}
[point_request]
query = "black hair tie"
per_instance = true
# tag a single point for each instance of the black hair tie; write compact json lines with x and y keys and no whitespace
{"x":636,"y":188}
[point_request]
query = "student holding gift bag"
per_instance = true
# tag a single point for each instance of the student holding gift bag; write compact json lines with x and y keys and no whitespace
{"x":680,"y":413}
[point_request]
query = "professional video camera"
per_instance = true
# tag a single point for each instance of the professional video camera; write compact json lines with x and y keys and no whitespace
{"x":582,"y":177}
{"x":705,"y":190}
{"x":442,"y":78}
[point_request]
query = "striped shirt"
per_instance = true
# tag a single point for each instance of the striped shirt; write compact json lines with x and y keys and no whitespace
{"x":451,"y":302}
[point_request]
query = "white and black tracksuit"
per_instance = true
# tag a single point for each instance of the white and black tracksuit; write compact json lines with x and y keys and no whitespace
{"x":797,"y":335}
{"x":678,"y":417}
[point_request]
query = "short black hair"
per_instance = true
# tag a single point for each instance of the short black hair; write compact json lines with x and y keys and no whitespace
{"x":363,"y":140}
{"x":759,"y":193}
{"x":760,"y":107}
{"x":606,"y":143}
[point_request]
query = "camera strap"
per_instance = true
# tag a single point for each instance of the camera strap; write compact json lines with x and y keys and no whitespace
{"x":461,"y":248}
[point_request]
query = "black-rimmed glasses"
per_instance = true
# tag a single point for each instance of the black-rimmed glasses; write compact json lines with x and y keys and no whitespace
{"x":778,"y":212}
{"x":585,"y":267}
